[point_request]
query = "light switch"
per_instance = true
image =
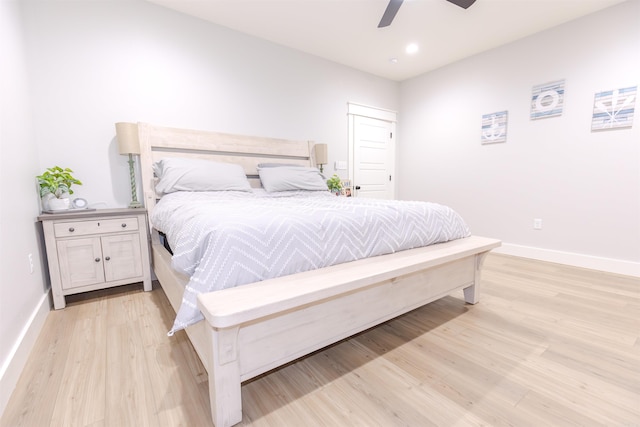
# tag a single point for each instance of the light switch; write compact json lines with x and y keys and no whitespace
{"x":341,"y":165}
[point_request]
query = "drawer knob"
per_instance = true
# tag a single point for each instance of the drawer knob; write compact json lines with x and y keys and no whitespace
{"x":97,"y":259}
{"x":124,"y":225}
{"x":71,"y":229}
{"x":107,"y":258}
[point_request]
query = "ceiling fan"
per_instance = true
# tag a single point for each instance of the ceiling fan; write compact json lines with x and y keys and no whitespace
{"x":394,"y":5}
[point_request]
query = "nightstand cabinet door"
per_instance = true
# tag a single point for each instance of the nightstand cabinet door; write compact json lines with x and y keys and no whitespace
{"x":122,"y":256}
{"x":80,"y":262}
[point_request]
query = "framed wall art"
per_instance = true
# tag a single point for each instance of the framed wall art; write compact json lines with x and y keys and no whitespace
{"x":547,"y":100}
{"x":614,"y":109}
{"x":494,"y":127}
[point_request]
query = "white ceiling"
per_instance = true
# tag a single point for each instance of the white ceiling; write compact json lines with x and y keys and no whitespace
{"x":345,"y":31}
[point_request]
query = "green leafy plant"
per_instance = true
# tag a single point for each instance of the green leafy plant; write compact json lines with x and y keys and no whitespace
{"x":334,"y":183}
{"x":57,"y":181}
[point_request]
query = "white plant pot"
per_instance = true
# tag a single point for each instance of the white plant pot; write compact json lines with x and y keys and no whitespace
{"x":55,"y":204}
{"x":45,"y":200}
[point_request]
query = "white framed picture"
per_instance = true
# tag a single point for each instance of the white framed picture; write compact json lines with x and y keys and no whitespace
{"x":494,"y":127}
{"x":346,"y":188}
{"x":547,"y":100}
{"x":614,"y":109}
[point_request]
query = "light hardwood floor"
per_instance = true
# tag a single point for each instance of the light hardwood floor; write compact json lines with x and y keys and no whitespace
{"x":547,"y":345}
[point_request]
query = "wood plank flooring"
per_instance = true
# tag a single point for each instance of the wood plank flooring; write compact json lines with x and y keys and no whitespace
{"x":548,"y":345}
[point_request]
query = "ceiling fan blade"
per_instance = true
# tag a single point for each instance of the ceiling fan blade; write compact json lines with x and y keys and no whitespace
{"x":390,"y":13}
{"x":462,"y":3}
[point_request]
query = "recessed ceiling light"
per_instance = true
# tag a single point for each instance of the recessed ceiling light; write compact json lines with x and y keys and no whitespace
{"x":411,"y":48}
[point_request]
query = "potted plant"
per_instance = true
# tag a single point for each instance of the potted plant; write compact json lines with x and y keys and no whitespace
{"x":55,"y":187}
{"x":335,"y":184}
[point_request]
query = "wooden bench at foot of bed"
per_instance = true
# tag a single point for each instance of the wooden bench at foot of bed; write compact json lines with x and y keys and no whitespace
{"x":254,"y":328}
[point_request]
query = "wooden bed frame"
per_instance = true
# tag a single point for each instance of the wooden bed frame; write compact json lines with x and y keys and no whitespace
{"x":252,"y":329}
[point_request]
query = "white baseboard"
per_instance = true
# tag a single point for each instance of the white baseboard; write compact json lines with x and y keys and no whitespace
{"x":627,"y":268}
{"x":12,"y":368}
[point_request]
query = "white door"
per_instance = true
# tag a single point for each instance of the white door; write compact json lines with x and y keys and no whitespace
{"x":372,"y":150}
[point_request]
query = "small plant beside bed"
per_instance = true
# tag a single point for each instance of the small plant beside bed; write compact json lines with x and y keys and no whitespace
{"x":335,"y":184}
{"x":55,"y":187}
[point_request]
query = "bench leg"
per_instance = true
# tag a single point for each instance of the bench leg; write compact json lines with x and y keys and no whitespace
{"x":224,"y":378}
{"x":472,"y":293}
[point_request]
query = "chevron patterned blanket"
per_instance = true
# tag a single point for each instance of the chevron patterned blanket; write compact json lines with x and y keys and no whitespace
{"x":226,"y":239}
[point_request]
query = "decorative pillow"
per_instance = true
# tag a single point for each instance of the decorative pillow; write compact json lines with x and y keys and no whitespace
{"x":181,"y":174}
{"x":286,"y":178}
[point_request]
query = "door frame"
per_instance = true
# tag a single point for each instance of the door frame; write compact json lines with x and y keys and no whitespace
{"x":354,"y":109}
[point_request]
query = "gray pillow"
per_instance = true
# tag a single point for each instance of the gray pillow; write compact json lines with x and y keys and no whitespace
{"x":182,"y":174}
{"x":286,"y":178}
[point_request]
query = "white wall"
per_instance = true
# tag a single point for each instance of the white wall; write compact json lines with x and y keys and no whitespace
{"x":23,"y":301}
{"x":96,"y":63}
{"x":584,"y":185}
{"x":86,"y":65}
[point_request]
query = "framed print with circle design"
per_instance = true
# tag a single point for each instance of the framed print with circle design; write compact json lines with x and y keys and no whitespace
{"x":547,"y":100}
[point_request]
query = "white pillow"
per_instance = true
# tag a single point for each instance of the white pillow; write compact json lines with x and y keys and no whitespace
{"x":181,"y":174}
{"x":286,"y":178}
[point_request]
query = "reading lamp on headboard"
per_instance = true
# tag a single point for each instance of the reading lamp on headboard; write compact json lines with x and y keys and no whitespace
{"x":321,"y":155}
{"x":127,"y":134}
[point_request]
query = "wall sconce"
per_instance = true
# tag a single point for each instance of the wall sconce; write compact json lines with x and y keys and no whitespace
{"x":321,"y":155}
{"x":128,"y":143}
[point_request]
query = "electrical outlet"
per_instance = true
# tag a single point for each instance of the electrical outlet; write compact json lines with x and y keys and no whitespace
{"x":30,"y":263}
{"x":537,"y":224}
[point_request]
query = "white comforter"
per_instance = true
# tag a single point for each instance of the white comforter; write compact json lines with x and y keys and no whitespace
{"x":226,"y":239}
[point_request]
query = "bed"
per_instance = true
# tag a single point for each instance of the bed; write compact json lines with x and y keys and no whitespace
{"x":251,"y":329}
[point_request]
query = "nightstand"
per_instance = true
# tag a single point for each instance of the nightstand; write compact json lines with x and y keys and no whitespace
{"x":97,"y":249}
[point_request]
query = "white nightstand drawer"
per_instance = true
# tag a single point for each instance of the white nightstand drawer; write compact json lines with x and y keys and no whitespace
{"x":82,"y":228}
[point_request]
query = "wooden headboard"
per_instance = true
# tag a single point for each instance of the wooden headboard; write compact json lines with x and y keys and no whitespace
{"x":158,"y":142}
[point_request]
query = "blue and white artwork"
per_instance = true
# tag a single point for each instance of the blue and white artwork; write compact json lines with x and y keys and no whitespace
{"x":614,"y":109}
{"x":494,"y":127}
{"x":547,"y":100}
